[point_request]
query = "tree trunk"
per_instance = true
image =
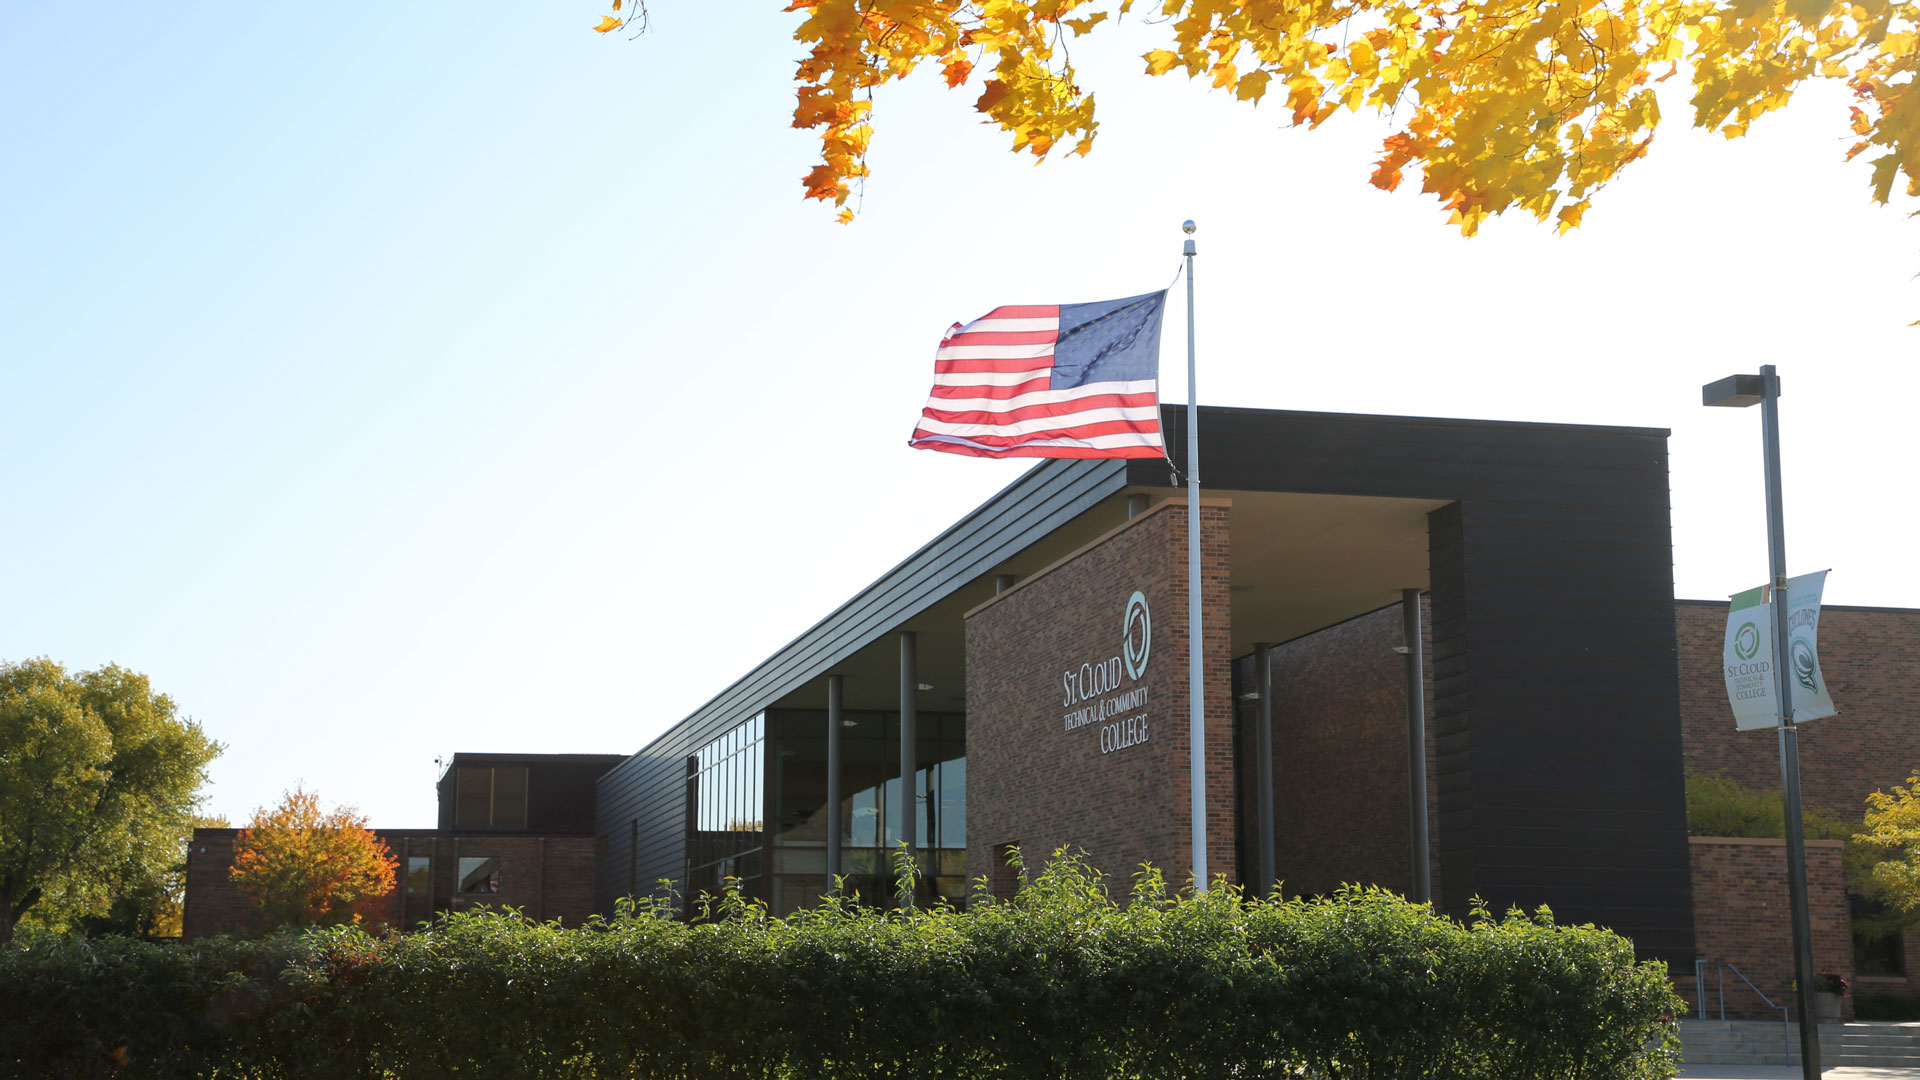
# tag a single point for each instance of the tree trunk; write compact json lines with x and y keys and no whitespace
{"x":10,"y":912}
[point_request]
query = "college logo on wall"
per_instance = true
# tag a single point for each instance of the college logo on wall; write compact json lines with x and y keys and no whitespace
{"x":1136,"y":636}
{"x":1111,"y":692}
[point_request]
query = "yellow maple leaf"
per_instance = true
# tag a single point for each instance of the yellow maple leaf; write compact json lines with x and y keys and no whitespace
{"x":608,"y":22}
{"x":1533,"y":105}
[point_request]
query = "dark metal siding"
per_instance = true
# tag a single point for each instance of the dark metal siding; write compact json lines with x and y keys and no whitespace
{"x":1556,"y":702}
{"x":650,"y":786}
{"x":1556,"y":711}
{"x":559,"y":789}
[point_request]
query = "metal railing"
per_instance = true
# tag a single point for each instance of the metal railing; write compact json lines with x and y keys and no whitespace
{"x":1720,"y":968}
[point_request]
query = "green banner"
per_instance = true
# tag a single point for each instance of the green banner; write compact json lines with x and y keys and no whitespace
{"x":1752,"y":689}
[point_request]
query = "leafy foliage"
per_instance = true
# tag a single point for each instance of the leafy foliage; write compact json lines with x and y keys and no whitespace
{"x":152,"y":905}
{"x":1717,"y":805}
{"x":1060,"y":982}
{"x":1892,"y":874}
{"x":99,"y":780}
{"x":1502,"y":104}
{"x":1881,"y":864}
{"x":306,"y":867}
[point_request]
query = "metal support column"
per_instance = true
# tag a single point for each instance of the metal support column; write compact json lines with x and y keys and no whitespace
{"x":1263,"y":766}
{"x":909,"y":705}
{"x":836,"y":702}
{"x":1416,"y":746}
{"x":1196,"y":666}
{"x":1803,"y":972}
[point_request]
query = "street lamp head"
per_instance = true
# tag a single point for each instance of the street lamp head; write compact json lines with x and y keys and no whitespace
{"x":1735,"y":391}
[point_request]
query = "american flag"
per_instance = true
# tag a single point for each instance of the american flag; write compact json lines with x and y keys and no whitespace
{"x":1050,"y":380}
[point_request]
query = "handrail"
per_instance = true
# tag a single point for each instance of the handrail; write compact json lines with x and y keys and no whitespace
{"x":1721,"y":967}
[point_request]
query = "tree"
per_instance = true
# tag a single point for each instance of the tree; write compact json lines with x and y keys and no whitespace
{"x":152,"y":904}
{"x":308,"y":868}
{"x":99,"y":781}
{"x":1502,"y":104}
{"x":1889,"y":869}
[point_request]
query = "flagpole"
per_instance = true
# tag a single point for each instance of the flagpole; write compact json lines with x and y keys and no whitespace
{"x":1196,"y":671}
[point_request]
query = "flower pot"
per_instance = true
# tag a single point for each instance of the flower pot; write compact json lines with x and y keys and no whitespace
{"x":1826,"y":1007}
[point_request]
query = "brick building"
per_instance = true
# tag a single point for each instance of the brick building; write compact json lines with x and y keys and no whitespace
{"x":1036,"y":652}
{"x":514,"y":830}
{"x":1020,"y":684}
{"x":1870,"y":658}
{"x":1338,"y":734}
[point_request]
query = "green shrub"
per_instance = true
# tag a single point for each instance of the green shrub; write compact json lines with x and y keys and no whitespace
{"x":1060,"y":982}
{"x":1718,"y":806}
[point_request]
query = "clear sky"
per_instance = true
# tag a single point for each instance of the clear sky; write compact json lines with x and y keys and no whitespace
{"x":390,"y":380}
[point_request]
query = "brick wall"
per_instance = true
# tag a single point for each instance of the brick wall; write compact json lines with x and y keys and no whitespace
{"x":1340,"y":758}
{"x":1871,"y":660}
{"x":212,"y":904}
{"x":1031,"y":780}
{"x":547,"y":877}
{"x":1741,"y":916}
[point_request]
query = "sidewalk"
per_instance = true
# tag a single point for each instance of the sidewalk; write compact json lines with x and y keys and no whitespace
{"x":1792,"y":1073}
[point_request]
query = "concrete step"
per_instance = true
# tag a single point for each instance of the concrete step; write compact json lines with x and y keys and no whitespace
{"x":1761,"y":1042}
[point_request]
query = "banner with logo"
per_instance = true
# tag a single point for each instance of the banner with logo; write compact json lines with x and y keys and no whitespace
{"x":1749,"y":655}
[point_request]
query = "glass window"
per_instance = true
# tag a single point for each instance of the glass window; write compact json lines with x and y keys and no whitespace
{"x":479,"y":874}
{"x":890,"y":812}
{"x":1874,"y":954}
{"x":725,"y":829}
{"x":473,"y":800}
{"x":419,"y":874}
{"x":923,"y":792}
{"x":510,"y":798}
{"x":488,"y":798}
{"x":953,"y":803}
{"x":737,"y":806}
{"x":865,"y":818}
{"x":756,"y":793}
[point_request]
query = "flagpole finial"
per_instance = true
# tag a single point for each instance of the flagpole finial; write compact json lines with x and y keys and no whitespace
{"x":1187,"y":226}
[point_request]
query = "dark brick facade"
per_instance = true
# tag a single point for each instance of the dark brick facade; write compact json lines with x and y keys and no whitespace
{"x":1741,"y":916}
{"x":1340,"y":786}
{"x":546,"y":877}
{"x":1340,"y":757}
{"x":1033,"y":782}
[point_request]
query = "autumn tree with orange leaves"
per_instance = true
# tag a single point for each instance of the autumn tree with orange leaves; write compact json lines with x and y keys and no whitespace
{"x":303,"y":867}
{"x":1500,"y":104}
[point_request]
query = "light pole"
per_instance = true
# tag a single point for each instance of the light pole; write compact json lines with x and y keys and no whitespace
{"x":1739,"y":391}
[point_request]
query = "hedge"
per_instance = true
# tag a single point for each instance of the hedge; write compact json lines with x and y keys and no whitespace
{"x":1060,"y":982}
